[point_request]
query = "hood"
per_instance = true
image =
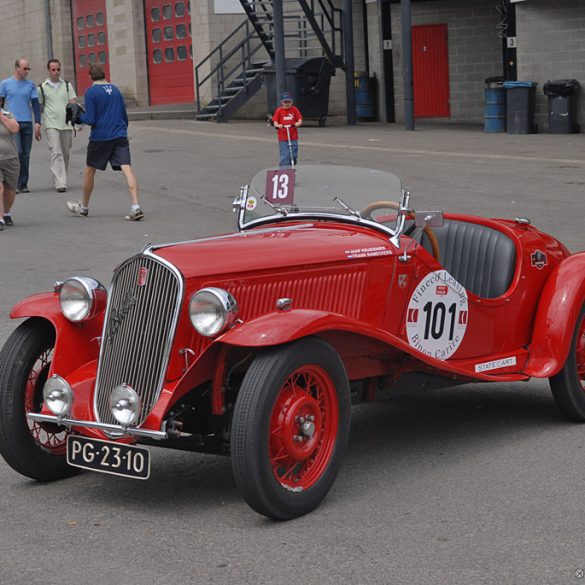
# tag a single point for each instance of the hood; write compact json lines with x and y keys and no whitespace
{"x":275,"y":247}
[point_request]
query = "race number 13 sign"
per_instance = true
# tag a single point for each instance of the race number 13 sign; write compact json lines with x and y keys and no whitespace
{"x":280,"y":187}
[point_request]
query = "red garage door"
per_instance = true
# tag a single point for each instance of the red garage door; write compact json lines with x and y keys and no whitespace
{"x":170,"y":53}
{"x":430,"y":64}
{"x":90,"y":38}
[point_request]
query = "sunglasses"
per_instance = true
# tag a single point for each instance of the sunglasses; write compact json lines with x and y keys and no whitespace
{"x":56,"y":69}
{"x":26,"y":68}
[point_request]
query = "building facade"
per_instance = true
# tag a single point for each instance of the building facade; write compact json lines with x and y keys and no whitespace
{"x":157,"y":50}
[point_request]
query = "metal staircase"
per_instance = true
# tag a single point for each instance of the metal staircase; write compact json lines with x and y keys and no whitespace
{"x":233,"y":72}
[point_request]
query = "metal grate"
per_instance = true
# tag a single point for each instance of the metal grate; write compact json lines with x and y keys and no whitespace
{"x":139,"y":327}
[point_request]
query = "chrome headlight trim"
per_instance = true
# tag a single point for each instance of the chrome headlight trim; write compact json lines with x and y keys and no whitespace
{"x":212,"y":310}
{"x":58,"y":396}
{"x":82,"y":298}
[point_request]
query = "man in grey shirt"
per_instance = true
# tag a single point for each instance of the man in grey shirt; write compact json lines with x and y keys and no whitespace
{"x":9,"y":166}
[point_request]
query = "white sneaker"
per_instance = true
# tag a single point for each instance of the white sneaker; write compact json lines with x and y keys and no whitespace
{"x":76,"y":208}
{"x":135,"y":215}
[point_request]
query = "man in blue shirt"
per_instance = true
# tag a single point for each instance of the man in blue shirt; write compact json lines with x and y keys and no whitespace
{"x":19,"y":96}
{"x":105,"y":112}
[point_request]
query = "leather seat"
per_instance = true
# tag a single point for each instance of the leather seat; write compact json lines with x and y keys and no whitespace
{"x":482,"y":259}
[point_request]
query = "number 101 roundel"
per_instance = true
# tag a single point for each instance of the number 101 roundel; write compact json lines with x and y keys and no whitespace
{"x":437,"y":315}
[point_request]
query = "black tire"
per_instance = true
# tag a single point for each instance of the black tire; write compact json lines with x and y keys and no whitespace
{"x":568,"y":386}
{"x":36,"y":450}
{"x":270,"y":392}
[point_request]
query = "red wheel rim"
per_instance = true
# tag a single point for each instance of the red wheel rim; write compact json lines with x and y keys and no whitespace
{"x":303,"y":428}
{"x":580,"y":353}
{"x":49,"y":437}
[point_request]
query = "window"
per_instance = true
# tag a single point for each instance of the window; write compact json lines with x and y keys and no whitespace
{"x":190,"y":30}
{"x":156,"y":35}
{"x":181,"y":31}
{"x":180,"y":9}
{"x":99,"y":18}
{"x":81,"y":42}
{"x":191,"y":52}
{"x":189,"y":6}
{"x":101,"y":38}
{"x":167,"y":11}
{"x":91,"y":40}
{"x":90,"y":21}
{"x":168,"y":33}
{"x":82,"y":60}
{"x":102,"y":57}
{"x":80,"y":23}
{"x":91,"y":58}
{"x":181,"y":53}
{"x":169,"y":55}
{"x":157,"y":56}
{"x":155,"y":14}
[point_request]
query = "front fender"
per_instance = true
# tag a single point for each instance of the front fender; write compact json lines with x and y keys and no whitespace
{"x":75,"y":343}
{"x":285,"y":326}
{"x":561,"y":300}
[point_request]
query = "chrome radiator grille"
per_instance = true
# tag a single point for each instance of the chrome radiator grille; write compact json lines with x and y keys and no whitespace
{"x":140,"y":324}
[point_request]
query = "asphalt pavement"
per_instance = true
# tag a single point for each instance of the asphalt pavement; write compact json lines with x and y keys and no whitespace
{"x":480,"y":484}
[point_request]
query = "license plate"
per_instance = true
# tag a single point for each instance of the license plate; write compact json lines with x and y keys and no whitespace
{"x":108,"y":457}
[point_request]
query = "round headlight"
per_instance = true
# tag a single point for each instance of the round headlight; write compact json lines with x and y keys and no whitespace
{"x":81,"y":298}
{"x":58,"y":395}
{"x":125,"y":404}
{"x":212,"y":310}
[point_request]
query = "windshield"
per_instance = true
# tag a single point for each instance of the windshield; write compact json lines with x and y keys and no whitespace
{"x":322,"y":191}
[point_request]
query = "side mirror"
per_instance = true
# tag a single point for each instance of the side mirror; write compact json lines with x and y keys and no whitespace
{"x":423,"y":219}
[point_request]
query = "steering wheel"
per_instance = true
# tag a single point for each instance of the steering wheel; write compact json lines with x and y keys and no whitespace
{"x":429,"y":233}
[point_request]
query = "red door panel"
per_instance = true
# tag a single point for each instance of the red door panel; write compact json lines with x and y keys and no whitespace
{"x":90,"y":40}
{"x":170,"y":53}
{"x":430,"y":63}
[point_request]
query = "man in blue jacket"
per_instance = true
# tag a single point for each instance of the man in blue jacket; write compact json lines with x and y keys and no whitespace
{"x":19,"y":95}
{"x":105,"y":112}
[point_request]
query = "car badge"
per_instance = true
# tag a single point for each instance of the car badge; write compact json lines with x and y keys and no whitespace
{"x":538,"y":259}
{"x":142,"y":276}
{"x":402,"y":280}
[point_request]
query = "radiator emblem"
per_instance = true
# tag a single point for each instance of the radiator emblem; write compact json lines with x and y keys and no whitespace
{"x":119,"y":314}
{"x":142,"y":276}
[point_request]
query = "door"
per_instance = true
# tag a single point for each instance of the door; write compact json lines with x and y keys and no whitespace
{"x":170,"y":52}
{"x":430,"y":63}
{"x":90,"y":40}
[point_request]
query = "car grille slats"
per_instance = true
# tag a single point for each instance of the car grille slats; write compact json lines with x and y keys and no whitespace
{"x":140,"y":324}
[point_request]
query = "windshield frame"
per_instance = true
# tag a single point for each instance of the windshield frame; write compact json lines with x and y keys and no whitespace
{"x":344,"y":215}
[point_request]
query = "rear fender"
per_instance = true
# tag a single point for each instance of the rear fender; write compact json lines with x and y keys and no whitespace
{"x":561,"y":300}
{"x":75,"y":343}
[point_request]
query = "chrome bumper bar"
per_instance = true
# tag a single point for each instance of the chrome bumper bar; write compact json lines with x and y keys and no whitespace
{"x":115,"y":429}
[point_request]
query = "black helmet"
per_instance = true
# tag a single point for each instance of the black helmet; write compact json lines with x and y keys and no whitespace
{"x":72,"y":114}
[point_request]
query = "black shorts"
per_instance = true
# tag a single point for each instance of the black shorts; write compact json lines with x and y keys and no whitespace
{"x":101,"y":152}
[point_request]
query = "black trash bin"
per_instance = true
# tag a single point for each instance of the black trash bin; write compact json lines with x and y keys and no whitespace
{"x":520,"y":98}
{"x":308,"y":79}
{"x":562,"y":106}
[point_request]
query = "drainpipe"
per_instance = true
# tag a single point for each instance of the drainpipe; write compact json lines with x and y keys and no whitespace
{"x":49,"y":29}
{"x":407,"y":65}
{"x":279,"y":61}
{"x":349,"y":62}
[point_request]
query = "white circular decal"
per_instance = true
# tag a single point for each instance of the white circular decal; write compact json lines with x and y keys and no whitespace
{"x":436,"y":319}
{"x":251,"y":203}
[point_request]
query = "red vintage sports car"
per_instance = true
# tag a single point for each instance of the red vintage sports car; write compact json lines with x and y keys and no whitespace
{"x":255,"y":344}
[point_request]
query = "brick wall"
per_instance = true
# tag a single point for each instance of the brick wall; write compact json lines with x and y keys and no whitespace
{"x":475,"y":51}
{"x":551,"y":45}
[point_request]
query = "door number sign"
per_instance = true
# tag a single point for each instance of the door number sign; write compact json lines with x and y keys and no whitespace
{"x":280,"y":187}
{"x":437,"y":314}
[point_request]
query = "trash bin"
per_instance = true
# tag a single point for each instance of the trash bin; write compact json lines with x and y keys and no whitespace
{"x":520,"y":97}
{"x":562,"y":106}
{"x":366,"y":93}
{"x":495,"y":105}
{"x":308,"y":79}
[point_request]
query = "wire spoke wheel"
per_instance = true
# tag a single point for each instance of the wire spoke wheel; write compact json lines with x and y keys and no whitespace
{"x":37,"y":450}
{"x":290,"y":428}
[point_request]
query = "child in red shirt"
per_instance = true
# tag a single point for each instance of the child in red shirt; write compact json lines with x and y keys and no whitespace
{"x":287,"y":118}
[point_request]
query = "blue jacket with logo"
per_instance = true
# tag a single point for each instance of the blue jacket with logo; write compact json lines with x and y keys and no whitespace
{"x":105,"y":112}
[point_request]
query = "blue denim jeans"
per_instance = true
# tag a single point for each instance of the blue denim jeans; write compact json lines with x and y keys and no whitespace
{"x":284,"y":152}
{"x":24,"y":140}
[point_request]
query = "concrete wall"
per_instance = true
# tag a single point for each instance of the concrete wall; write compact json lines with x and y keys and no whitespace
{"x":551,"y":45}
{"x":475,"y":51}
